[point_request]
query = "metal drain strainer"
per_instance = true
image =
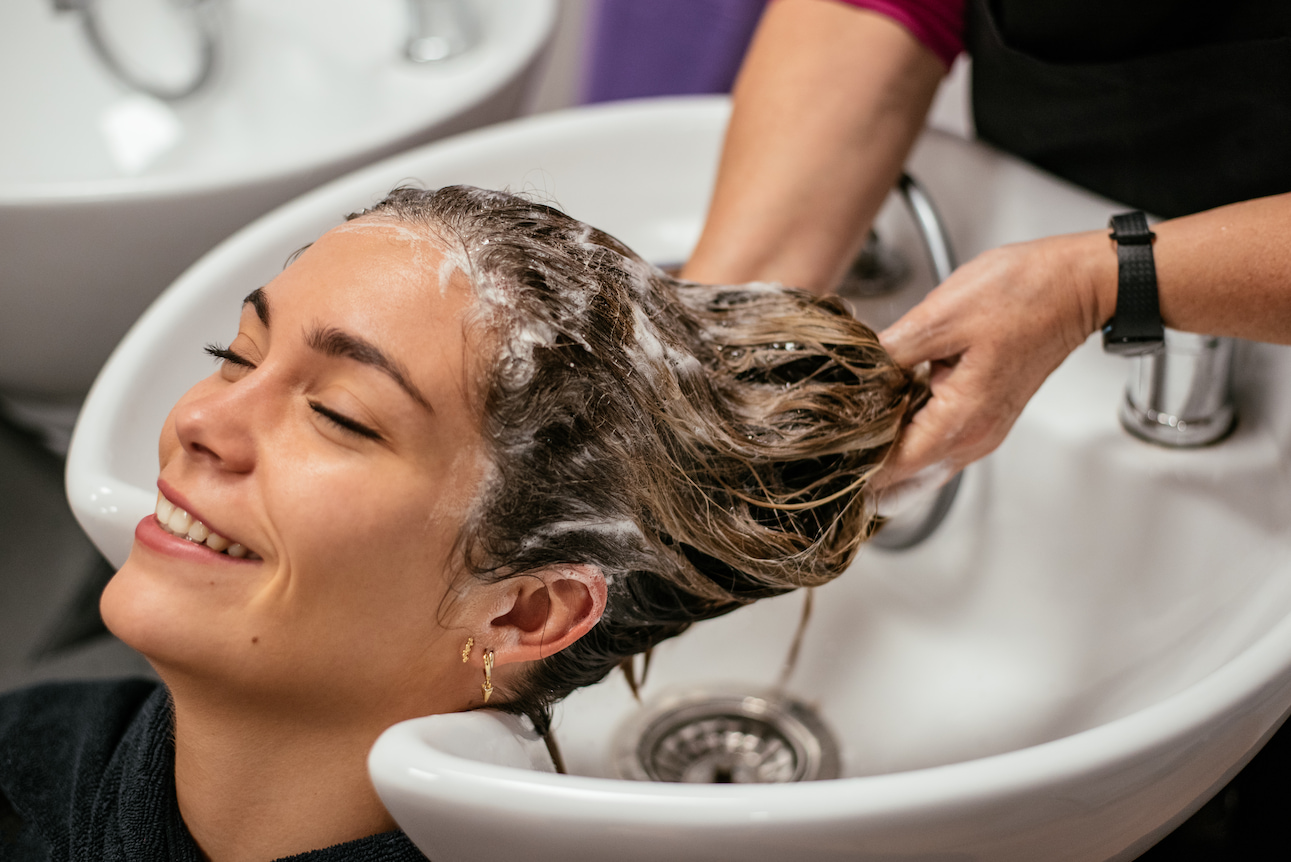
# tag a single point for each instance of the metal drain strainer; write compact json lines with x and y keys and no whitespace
{"x":708,"y":738}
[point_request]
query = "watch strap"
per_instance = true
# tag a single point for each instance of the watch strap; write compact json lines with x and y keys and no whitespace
{"x":1136,"y":326}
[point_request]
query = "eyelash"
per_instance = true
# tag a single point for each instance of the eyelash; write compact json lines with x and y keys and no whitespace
{"x":344,"y":422}
{"x":340,"y":420}
{"x":226,"y":355}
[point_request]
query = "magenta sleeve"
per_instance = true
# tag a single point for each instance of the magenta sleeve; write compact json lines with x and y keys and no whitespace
{"x":938,"y":24}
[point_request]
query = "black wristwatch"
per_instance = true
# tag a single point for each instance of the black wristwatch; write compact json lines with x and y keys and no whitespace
{"x":1136,"y":327}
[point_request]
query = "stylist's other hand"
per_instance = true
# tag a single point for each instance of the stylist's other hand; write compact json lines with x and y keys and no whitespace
{"x":993,"y":332}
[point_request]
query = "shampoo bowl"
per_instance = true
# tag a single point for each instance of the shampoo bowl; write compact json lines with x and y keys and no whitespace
{"x":1097,"y":638}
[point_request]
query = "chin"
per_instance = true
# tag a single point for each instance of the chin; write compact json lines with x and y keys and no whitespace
{"x":198,"y":631}
{"x":160,"y":614}
{"x":139,"y":611}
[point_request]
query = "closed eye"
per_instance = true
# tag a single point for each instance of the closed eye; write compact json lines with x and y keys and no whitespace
{"x":340,"y":420}
{"x":344,"y":422}
{"x":226,"y":355}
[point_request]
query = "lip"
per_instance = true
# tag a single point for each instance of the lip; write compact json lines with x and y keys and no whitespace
{"x":184,"y":503}
{"x":178,"y":499}
{"x":150,"y":534}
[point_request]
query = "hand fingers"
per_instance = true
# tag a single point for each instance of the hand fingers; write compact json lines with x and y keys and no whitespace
{"x":946,"y":322}
{"x":1009,"y":316}
{"x":928,"y":439}
{"x":918,"y":337}
{"x":968,"y":416}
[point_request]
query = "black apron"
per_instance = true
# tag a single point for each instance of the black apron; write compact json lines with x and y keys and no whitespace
{"x":1170,"y":107}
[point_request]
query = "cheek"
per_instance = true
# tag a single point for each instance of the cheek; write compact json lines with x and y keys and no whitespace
{"x":363,"y":601}
{"x":359,"y":541}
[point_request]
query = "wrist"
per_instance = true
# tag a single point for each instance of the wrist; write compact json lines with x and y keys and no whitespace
{"x":1092,"y":269}
{"x":1105,"y":282}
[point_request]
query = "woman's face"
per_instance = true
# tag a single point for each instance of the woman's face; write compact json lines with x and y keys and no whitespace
{"x":339,"y":444}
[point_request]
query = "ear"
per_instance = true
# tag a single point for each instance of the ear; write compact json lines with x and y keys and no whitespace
{"x":542,"y":612}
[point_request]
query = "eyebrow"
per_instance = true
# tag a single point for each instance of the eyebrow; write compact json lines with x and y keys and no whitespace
{"x":334,"y":342}
{"x":260,"y":302}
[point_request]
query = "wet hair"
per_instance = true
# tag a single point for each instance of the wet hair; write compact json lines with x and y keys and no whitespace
{"x":704,"y":447}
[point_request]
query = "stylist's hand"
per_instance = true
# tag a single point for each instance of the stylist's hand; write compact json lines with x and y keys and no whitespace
{"x":993,"y":332}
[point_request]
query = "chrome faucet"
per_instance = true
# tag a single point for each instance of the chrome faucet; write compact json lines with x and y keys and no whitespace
{"x":921,"y":512}
{"x":1181,"y":395}
{"x":193,"y":21}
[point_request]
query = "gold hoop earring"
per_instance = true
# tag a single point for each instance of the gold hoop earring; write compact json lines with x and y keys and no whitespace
{"x":466,"y":650}
{"x":487,"y":687}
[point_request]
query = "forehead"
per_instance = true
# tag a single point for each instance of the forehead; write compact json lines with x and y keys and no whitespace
{"x":369,"y":269}
{"x":397,"y":287}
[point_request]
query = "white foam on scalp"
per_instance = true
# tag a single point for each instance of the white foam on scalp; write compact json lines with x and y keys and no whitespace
{"x":623,"y":530}
{"x":652,"y":350}
{"x":372,"y":225}
{"x":451,"y":264}
{"x":418,"y":240}
{"x":452,"y":257}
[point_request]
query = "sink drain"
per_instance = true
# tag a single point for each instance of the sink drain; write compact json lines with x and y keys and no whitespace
{"x":707,"y":738}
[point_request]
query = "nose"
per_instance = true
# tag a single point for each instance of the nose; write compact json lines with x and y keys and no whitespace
{"x":216,"y":423}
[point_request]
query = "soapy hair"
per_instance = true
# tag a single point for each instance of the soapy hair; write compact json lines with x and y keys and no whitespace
{"x":704,"y":447}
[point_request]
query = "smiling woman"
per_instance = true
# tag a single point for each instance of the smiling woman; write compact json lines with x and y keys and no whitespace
{"x":464,"y":449}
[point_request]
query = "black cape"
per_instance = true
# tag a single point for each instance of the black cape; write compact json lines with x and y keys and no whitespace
{"x":87,"y":772}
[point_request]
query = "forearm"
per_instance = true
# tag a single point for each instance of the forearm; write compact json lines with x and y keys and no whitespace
{"x":1225,"y":271}
{"x":827,"y":105}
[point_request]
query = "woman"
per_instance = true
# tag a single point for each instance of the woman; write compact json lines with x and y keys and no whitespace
{"x":463,"y":450}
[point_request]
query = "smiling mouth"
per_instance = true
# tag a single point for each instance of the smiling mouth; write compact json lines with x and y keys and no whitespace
{"x":177,"y":522}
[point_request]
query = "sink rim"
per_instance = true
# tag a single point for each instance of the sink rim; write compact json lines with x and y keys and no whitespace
{"x":522,"y":46}
{"x":1254,"y":675}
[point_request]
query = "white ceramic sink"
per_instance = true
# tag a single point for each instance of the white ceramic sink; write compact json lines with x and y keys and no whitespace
{"x":1097,"y":638}
{"x":106,"y":195}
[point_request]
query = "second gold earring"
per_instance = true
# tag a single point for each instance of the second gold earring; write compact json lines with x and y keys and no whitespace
{"x":487,"y":687}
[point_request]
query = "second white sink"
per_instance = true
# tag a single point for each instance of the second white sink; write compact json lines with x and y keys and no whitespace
{"x":106,"y":194}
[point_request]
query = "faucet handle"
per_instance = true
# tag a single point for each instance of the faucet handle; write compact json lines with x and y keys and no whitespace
{"x":167,"y":49}
{"x":1181,"y":395}
{"x":440,"y":30}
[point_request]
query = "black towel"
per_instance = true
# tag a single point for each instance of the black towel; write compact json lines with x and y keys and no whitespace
{"x":87,"y":772}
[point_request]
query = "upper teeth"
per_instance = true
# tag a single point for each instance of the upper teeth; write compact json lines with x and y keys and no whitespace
{"x":178,"y":522}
